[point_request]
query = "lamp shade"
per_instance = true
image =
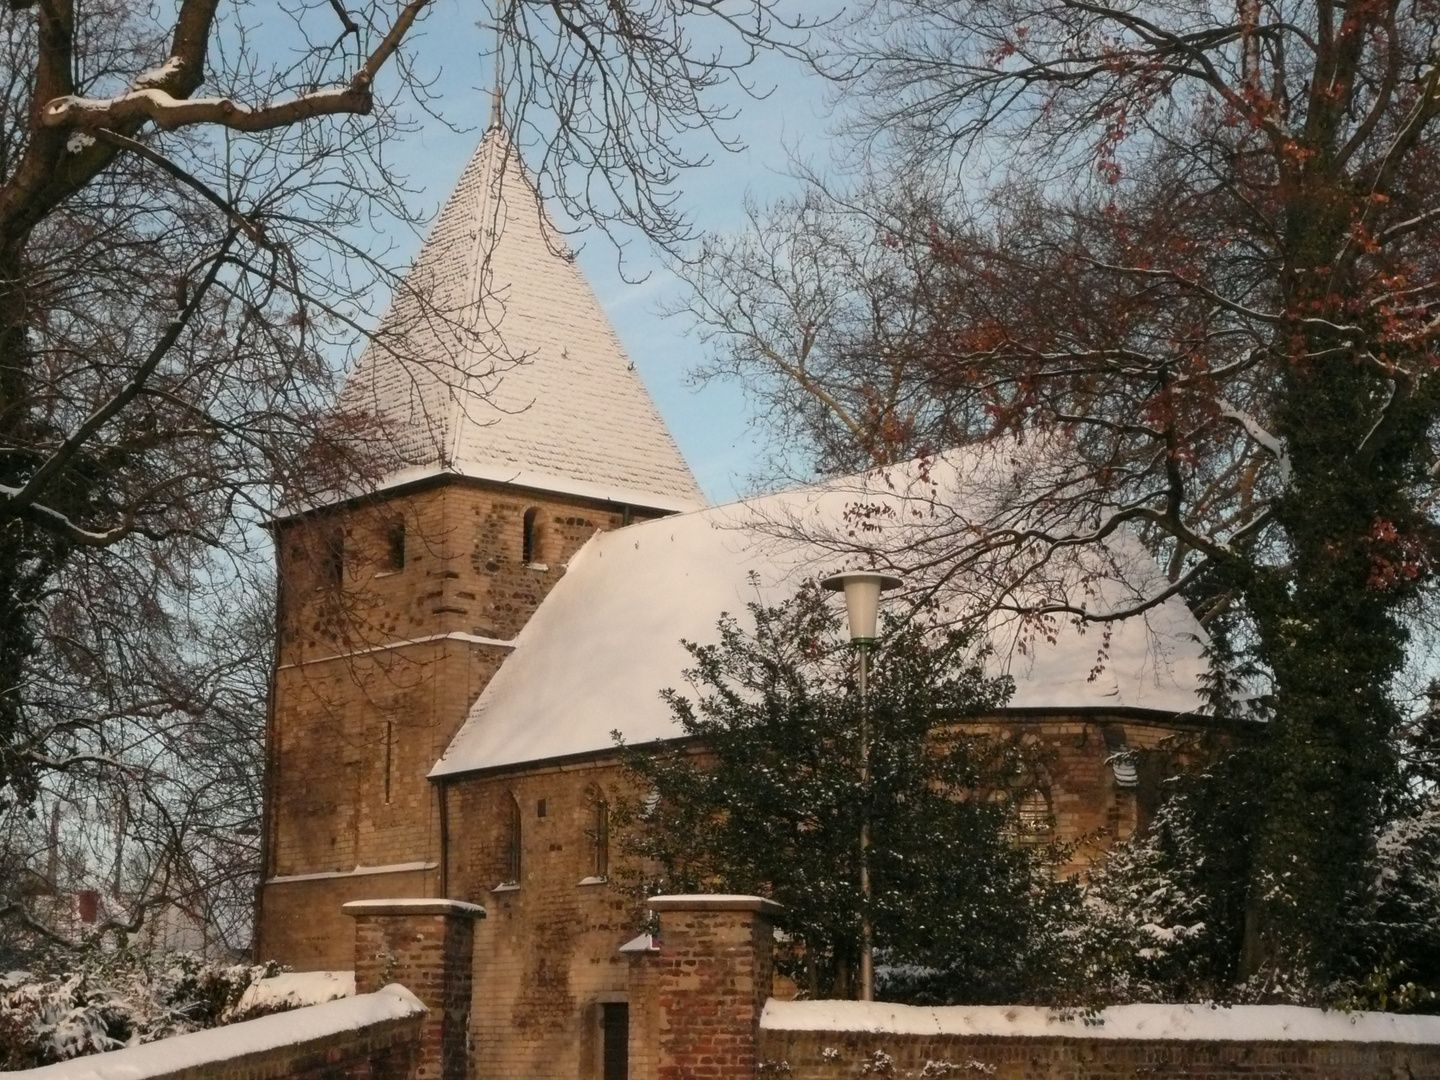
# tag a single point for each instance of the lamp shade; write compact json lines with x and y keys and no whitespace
{"x":862,"y":589}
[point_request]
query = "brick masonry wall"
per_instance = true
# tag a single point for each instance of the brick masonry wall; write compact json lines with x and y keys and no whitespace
{"x":429,"y":950}
{"x":811,"y":1055}
{"x":388,"y":1051}
{"x":547,"y":955}
{"x":383,"y":1043}
{"x":644,"y":991}
{"x":712,"y":977}
{"x":359,"y":718}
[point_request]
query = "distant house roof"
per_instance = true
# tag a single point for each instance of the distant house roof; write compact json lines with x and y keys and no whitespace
{"x":595,"y":656}
{"x":496,"y":361}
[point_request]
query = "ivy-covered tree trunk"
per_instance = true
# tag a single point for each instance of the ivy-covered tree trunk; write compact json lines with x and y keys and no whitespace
{"x":1350,"y":546}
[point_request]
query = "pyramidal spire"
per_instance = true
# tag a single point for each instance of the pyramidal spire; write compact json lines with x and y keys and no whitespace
{"x":495,"y":360}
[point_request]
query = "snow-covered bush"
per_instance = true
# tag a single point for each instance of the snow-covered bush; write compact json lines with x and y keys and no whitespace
{"x":92,"y":1002}
{"x":1165,"y":914}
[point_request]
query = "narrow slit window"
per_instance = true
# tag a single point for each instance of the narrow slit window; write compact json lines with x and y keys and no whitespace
{"x":389,"y":755}
{"x":530,"y":537}
{"x":512,"y":845}
{"x":395,"y":546}
{"x":600,"y":838}
{"x":332,"y":558}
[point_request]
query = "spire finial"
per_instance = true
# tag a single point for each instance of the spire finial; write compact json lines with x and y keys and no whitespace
{"x":497,"y":94}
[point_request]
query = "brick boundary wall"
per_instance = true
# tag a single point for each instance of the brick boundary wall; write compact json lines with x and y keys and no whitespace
{"x":872,"y":1055}
{"x":699,"y":992}
{"x":428,"y":946}
{"x":710,"y":979}
{"x":374,"y":1037}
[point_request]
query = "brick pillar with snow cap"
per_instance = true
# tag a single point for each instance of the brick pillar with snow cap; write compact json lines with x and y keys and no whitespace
{"x":713,"y":973}
{"x":427,"y":946}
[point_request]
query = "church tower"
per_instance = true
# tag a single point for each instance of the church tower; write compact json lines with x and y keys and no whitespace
{"x":509,"y":426}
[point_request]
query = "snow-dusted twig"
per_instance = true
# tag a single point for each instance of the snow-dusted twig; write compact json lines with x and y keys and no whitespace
{"x":1271,"y":443}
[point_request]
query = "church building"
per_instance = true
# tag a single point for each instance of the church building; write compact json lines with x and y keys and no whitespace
{"x":458,"y":643}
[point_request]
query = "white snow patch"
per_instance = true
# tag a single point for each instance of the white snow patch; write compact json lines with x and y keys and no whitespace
{"x":1249,"y":1023}
{"x":201,"y":1048}
{"x":401,"y":643}
{"x":158,"y":74}
{"x":295,"y":989}
{"x":1273,"y":444}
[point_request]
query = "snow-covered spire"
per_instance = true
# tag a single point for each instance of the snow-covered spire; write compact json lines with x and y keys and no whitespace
{"x":496,"y":361}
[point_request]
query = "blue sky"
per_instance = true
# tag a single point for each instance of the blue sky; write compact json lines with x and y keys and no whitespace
{"x":711,"y":423}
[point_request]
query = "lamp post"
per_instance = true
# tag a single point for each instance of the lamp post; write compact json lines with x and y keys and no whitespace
{"x":862,"y":589}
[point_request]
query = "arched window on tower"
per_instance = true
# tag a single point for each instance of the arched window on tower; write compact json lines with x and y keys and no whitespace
{"x":394,"y":560}
{"x":332,"y":558}
{"x":530,"y":537}
{"x":599,"y":836}
{"x":513,"y":837}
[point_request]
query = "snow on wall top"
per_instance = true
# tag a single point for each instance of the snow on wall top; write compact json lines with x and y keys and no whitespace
{"x":508,"y":368}
{"x":595,"y":656}
{"x":201,"y":1048}
{"x":1248,"y":1023}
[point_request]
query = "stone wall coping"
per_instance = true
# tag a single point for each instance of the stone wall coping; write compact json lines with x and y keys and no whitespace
{"x":216,"y":1046}
{"x":1255,"y":1024}
{"x":413,"y":906}
{"x":645,"y":943}
{"x":714,"y":902}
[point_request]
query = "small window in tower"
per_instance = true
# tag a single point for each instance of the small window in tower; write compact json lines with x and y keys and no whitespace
{"x":599,"y":835}
{"x":332,"y":558}
{"x":530,"y":541}
{"x":512,"y":844}
{"x":539,"y":807}
{"x":394,"y":547}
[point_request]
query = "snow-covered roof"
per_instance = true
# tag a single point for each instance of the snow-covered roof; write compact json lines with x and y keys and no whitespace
{"x":595,"y":656}
{"x":496,"y":361}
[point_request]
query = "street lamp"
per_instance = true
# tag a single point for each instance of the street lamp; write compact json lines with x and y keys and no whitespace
{"x":862,"y":589}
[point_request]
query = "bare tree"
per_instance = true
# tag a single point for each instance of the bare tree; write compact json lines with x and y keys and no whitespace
{"x":1195,"y":261}
{"x":188,"y":254}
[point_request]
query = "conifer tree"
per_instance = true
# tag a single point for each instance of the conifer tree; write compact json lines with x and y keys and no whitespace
{"x":766,"y":797}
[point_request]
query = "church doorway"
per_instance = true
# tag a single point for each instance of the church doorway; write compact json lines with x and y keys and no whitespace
{"x":615,"y":1041}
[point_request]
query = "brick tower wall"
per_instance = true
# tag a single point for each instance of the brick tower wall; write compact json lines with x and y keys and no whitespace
{"x":378,"y":667}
